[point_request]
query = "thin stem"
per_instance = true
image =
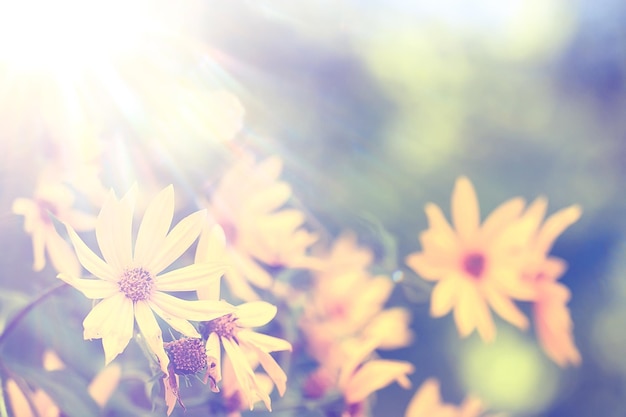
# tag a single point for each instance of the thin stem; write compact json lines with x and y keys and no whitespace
{"x":15,"y":321}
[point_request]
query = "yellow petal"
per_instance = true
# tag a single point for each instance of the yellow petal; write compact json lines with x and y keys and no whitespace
{"x":264,"y":342}
{"x":555,"y":225}
{"x":505,"y":308}
{"x":423,"y":266}
{"x":444,"y":296}
{"x":255,"y":313}
{"x":61,"y":254}
{"x":214,"y":350}
{"x":109,"y":224}
{"x":505,"y":213}
{"x":90,"y":260}
{"x":94,"y":289}
{"x":197,"y":310}
{"x":191,"y":277}
{"x":118,"y":330}
{"x":465,"y":210}
{"x":105,"y":383}
{"x":19,"y":403}
{"x":151,"y":332}
{"x":154,"y":226}
{"x":374,"y":375}
{"x":425,"y":400}
{"x":177,"y":323}
{"x":177,"y":241}
{"x":273,"y":370}
{"x":465,"y":308}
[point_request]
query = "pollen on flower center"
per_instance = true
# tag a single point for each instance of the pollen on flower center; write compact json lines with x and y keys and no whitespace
{"x":224,"y":326}
{"x":187,"y":355}
{"x":474,"y":264}
{"x":136,"y":284}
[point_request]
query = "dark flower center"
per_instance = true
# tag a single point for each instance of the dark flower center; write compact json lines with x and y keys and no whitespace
{"x":474,"y":264}
{"x":187,"y":355}
{"x":224,"y":326}
{"x":137,"y":284}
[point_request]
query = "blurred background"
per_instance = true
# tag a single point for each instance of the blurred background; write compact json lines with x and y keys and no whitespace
{"x":376,"y":108}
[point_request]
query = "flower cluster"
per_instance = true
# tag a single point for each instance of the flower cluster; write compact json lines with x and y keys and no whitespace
{"x":334,"y":325}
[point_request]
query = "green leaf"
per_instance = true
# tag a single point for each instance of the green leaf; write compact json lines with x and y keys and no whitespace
{"x":66,"y":388}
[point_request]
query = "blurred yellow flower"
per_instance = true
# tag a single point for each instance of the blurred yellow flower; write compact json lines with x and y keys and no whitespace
{"x":52,"y":198}
{"x":553,"y":324}
{"x":347,"y":301}
{"x":100,"y":389}
{"x":233,"y":333}
{"x":132,"y":285}
{"x":427,"y":403}
{"x":246,"y":204}
{"x":476,"y":266}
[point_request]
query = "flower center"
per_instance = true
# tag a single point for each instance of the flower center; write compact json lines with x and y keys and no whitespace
{"x":224,"y":326}
{"x":474,"y":264}
{"x":187,"y":355}
{"x":136,"y":284}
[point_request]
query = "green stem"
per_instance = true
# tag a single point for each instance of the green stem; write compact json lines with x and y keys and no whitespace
{"x":15,"y":321}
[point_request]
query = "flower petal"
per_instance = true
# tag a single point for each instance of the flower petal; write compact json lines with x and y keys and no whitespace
{"x":177,"y":241}
{"x":264,"y":342}
{"x":273,"y":370}
{"x":465,"y":308}
{"x":107,"y":226}
{"x":211,"y":244}
{"x":502,"y":215}
{"x":555,"y":225}
{"x":197,"y":310}
{"x":465,"y":210}
{"x":151,"y":332}
{"x":118,"y":330}
{"x":271,"y":198}
{"x":154,"y":225}
{"x":61,"y":254}
{"x":255,"y":313}
{"x":505,"y":308}
{"x":214,"y":351}
{"x":421,"y":264}
{"x":104,"y":384}
{"x":374,"y":375}
{"x":94,"y":289}
{"x":95,"y":322}
{"x":426,"y":400}
{"x":444,"y":296}
{"x":243,"y":372}
{"x":90,"y":260}
{"x":177,"y":323}
{"x":191,"y":277}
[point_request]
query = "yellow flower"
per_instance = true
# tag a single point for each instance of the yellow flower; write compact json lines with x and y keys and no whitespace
{"x":346,"y":303}
{"x":475,"y":266}
{"x":427,"y":403}
{"x":52,"y":199}
{"x":132,"y":285}
{"x":553,"y":324}
{"x":246,"y":204}
{"x":100,"y":389}
{"x":233,"y":332}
